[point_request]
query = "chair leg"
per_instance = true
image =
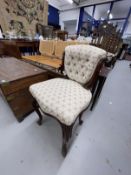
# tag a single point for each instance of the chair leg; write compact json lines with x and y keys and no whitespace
{"x":80,"y":120}
{"x":98,"y":91}
{"x":36,"y":107}
{"x":66,"y":134}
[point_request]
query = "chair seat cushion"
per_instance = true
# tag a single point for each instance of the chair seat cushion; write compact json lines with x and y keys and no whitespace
{"x":62,"y":98}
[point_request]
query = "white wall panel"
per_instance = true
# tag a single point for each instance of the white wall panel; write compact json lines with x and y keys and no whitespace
{"x":121,"y":8}
{"x":128,"y":28}
{"x":69,"y":15}
{"x":101,"y":11}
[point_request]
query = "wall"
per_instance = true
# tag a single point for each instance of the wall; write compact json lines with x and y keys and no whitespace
{"x":120,"y":10}
{"x":128,"y":28}
{"x":85,"y":3}
{"x":53,"y":15}
{"x":70,"y":26}
{"x":22,"y":15}
{"x":101,"y":11}
{"x":68,"y":16}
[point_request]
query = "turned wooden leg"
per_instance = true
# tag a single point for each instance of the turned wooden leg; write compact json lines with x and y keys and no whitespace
{"x":98,"y":91}
{"x":80,"y":120}
{"x":36,"y":107}
{"x":66,"y":134}
{"x":64,"y":149}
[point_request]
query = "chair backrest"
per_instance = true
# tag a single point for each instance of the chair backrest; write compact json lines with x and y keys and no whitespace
{"x":60,"y":48}
{"x":46,"y":47}
{"x":61,"y":45}
{"x":108,"y":37}
{"x":80,"y":62}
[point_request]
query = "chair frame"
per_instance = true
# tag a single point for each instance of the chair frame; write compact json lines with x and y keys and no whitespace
{"x":67,"y":130}
{"x":111,"y":40}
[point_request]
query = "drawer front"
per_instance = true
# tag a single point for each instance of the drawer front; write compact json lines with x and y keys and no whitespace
{"x":20,"y":103}
{"x":12,"y":87}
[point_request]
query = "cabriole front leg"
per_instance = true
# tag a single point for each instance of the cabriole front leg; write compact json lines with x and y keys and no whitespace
{"x":66,"y":134}
{"x":36,"y":108}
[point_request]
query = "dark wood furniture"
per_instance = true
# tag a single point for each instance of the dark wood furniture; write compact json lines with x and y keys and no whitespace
{"x":98,"y":85}
{"x":15,"y":78}
{"x":24,"y":45}
{"x":108,"y":37}
{"x":128,"y":57}
{"x":1,"y":49}
{"x":63,"y":35}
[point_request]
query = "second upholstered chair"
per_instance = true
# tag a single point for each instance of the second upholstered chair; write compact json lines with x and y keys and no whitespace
{"x":66,"y":99}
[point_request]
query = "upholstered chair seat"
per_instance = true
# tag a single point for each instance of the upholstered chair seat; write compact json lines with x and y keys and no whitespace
{"x":61,"y":98}
{"x":66,"y":99}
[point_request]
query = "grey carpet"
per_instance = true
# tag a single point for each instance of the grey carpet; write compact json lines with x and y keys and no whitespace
{"x":102,"y":146}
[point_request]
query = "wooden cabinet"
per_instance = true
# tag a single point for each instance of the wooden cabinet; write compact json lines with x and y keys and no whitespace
{"x":15,"y":78}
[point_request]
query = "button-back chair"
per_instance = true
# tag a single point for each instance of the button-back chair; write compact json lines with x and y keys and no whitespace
{"x":66,"y":99}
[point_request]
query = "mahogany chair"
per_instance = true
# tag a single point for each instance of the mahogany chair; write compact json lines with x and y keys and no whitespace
{"x":109,"y":39}
{"x":66,"y":99}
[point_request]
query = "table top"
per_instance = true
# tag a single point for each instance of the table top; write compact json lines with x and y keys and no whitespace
{"x":12,"y":69}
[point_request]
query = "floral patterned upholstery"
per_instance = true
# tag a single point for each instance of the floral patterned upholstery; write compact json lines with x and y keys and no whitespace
{"x":81,"y":61}
{"x":61,"y":98}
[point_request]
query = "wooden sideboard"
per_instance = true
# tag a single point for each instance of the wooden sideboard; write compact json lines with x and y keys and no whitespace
{"x":15,"y":78}
{"x":24,"y":45}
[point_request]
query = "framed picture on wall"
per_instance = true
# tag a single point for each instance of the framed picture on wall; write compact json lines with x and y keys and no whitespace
{"x":1,"y":32}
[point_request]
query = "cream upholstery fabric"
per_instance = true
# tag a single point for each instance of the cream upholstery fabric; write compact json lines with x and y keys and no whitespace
{"x":61,"y":98}
{"x":81,"y":61}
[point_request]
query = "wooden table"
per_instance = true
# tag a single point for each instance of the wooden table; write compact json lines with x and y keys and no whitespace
{"x":15,"y":78}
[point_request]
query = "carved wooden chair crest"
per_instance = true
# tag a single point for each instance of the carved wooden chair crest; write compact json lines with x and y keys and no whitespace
{"x":66,"y":99}
{"x":108,"y":38}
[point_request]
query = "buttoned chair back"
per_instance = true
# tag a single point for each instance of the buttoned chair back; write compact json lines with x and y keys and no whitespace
{"x":81,"y":61}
